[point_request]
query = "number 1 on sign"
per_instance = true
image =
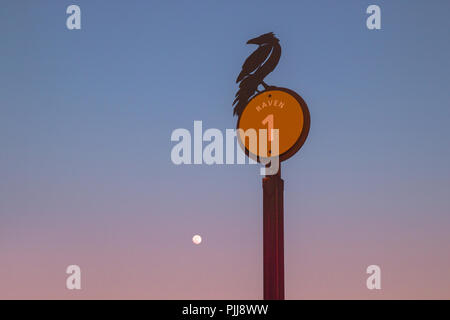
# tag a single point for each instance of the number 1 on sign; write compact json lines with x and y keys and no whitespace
{"x":269,"y":121}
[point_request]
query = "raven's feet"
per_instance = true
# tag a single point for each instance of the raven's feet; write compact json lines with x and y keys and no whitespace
{"x":264,"y":85}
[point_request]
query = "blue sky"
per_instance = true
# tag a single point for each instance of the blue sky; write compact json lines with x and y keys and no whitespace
{"x":86,"y":118}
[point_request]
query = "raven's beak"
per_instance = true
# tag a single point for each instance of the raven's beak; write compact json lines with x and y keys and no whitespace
{"x":252,"y":41}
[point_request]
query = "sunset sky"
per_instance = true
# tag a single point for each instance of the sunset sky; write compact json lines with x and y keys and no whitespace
{"x":86,"y":176}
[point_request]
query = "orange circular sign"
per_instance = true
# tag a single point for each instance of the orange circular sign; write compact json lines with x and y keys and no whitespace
{"x":278,"y":119}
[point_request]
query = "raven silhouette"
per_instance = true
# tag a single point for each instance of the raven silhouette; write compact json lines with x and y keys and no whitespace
{"x":257,"y":66}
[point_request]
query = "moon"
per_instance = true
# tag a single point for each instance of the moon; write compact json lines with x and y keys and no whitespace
{"x":197,"y":239}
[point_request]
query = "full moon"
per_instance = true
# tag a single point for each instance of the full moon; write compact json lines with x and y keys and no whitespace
{"x":197,"y":239}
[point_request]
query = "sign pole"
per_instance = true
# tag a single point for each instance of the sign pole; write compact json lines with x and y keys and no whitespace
{"x":273,"y":187}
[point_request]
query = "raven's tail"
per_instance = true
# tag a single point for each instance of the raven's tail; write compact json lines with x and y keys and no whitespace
{"x":247,"y":89}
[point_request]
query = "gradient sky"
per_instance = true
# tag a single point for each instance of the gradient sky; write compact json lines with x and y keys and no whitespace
{"x":85,"y":170}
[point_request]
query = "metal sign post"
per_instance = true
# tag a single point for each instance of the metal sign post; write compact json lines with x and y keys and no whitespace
{"x":273,"y":225}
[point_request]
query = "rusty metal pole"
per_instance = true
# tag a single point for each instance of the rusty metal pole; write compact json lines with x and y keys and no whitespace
{"x":273,"y":187}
